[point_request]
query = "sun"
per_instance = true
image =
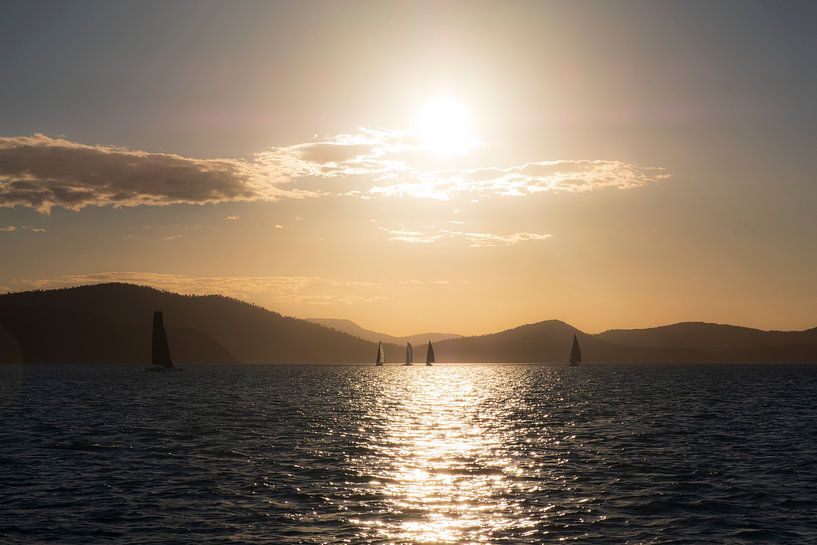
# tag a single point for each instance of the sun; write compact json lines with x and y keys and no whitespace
{"x":444,"y":125}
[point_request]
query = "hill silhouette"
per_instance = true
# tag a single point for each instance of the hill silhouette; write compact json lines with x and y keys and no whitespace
{"x":707,"y":336}
{"x":112,"y":323}
{"x":350,"y":327}
{"x":679,"y":343}
{"x":551,"y":341}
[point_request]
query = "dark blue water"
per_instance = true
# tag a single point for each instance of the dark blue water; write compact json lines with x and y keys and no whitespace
{"x":448,"y":454}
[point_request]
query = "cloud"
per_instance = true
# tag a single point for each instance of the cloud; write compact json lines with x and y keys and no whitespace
{"x":369,"y":152}
{"x":527,"y":179}
{"x":477,"y":240}
{"x":268,"y":290}
{"x":232,"y":218}
{"x":471,"y":238}
{"x":423,"y":283}
{"x":413,"y":237}
{"x":389,"y":159}
{"x":13,"y":228}
{"x":42,"y":172}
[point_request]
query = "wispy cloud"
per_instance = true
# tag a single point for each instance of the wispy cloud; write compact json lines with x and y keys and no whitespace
{"x":424,"y":283}
{"x":232,"y":218}
{"x":14,"y":228}
{"x":412,"y":237}
{"x":477,"y":240}
{"x":271,"y":290}
{"x":473,"y":239}
{"x":527,"y":179}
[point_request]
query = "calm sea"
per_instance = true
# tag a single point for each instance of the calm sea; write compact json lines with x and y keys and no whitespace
{"x":449,"y":454}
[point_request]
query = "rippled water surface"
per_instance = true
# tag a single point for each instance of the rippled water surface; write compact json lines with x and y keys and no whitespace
{"x":447,"y":454}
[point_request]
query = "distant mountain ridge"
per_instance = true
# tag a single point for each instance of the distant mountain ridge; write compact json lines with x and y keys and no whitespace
{"x":111,"y":323}
{"x":707,"y":336}
{"x":679,"y":343}
{"x":350,"y":327}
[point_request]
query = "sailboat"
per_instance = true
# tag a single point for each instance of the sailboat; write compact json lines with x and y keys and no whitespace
{"x":409,"y":354}
{"x":430,"y":354}
{"x":575,"y":353}
{"x":381,"y":355}
{"x":160,"y":351}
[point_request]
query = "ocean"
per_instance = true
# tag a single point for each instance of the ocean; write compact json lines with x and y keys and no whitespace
{"x":285,"y":454}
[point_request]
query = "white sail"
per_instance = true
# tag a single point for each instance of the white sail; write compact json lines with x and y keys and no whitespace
{"x":409,"y":354}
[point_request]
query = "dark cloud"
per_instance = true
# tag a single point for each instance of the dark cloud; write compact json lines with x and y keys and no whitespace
{"x":42,"y":172}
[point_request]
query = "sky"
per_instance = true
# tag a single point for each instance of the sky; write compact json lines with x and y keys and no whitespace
{"x":462,"y":167}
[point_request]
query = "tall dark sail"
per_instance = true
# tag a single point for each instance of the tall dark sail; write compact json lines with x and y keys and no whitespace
{"x":160,"y":349}
{"x":575,"y":352}
{"x":430,"y":354}
{"x":381,"y":355}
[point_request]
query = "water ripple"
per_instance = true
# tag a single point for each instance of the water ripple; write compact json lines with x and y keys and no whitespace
{"x":448,"y":454}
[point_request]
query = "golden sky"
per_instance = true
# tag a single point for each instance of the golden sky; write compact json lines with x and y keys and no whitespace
{"x":460,"y":167}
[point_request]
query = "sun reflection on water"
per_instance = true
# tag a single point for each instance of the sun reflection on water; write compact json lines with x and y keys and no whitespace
{"x":443,"y":471}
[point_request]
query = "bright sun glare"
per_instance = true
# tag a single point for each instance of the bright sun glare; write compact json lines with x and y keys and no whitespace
{"x":445,"y":126}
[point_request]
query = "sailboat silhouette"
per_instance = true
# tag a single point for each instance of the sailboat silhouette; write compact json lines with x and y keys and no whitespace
{"x":160,"y":350}
{"x":575,"y":353}
{"x":381,"y":355}
{"x":430,"y":355}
